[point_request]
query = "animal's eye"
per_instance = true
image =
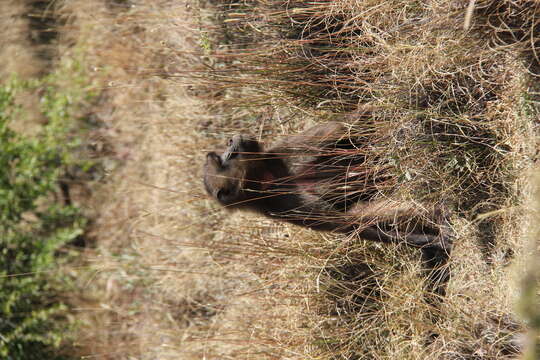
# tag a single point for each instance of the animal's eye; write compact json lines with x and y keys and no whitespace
{"x":229,"y":142}
{"x":214,"y":157}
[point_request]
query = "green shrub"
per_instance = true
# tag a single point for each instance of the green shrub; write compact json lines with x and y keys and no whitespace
{"x":33,"y":227}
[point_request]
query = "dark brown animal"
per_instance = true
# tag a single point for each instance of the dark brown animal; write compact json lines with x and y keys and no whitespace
{"x":319,"y":179}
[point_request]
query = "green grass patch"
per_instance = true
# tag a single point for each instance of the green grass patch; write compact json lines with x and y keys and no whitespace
{"x":36,"y":223}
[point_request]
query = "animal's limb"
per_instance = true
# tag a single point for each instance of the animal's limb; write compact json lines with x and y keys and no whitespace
{"x":418,"y":239}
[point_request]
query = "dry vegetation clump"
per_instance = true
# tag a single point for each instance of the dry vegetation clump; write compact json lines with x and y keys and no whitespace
{"x":26,"y":49}
{"x":458,"y":100}
{"x":171,"y":275}
{"x":529,"y":300}
{"x":17,"y":26}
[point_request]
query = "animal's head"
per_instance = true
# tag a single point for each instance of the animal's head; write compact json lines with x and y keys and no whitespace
{"x":225,"y":174}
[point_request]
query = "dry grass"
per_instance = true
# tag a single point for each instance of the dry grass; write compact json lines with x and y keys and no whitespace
{"x":173,"y":276}
{"x":16,"y":51}
{"x":20,"y":57}
{"x":529,"y":300}
{"x":459,"y":105}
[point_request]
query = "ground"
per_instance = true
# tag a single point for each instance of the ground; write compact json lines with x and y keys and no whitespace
{"x":168,"y":274}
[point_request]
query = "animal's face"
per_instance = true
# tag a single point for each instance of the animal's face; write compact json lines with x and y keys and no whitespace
{"x":225,"y":173}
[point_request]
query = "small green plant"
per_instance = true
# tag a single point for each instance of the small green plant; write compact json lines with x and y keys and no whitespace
{"x":33,"y":227}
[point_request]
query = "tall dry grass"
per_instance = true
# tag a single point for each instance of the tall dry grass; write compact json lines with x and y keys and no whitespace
{"x":171,"y":275}
{"x":459,"y":99}
{"x":530,"y":282}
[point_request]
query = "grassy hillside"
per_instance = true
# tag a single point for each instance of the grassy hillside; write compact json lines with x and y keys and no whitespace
{"x":452,"y":89}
